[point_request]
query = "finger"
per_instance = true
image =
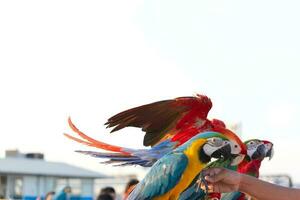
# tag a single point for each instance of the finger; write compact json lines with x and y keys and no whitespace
{"x":211,"y":171}
{"x":216,"y":175}
{"x":209,"y":188}
{"x":214,"y":188}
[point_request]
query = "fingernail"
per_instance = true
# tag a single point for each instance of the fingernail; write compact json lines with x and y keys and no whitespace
{"x":208,"y":178}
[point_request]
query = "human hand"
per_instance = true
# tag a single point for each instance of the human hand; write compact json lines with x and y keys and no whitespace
{"x":222,"y":180}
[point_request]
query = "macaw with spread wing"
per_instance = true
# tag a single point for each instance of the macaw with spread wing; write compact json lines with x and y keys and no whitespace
{"x":122,"y":156}
{"x":177,"y":119}
{"x":171,"y":174}
{"x":167,"y":124}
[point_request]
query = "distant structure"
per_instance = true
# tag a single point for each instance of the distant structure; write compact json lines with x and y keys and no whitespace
{"x":279,"y":179}
{"x":117,"y":182}
{"x":236,"y":127}
{"x":28,"y":176}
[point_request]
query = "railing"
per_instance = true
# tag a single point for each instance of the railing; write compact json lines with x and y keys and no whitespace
{"x":279,"y":179}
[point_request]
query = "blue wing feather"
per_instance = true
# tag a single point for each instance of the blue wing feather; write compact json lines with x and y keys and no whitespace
{"x":162,"y":177}
{"x":231,"y":196}
{"x":192,"y":194}
{"x":142,"y":157}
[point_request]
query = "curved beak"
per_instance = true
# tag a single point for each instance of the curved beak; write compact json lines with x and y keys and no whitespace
{"x":222,"y":152}
{"x":270,"y":153}
{"x":260,"y":152}
{"x":237,"y":159}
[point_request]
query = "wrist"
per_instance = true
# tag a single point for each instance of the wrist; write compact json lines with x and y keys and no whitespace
{"x":242,"y":183}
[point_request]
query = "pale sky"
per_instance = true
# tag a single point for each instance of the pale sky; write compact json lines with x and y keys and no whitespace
{"x":92,"y":59}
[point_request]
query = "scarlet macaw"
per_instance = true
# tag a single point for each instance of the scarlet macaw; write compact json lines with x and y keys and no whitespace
{"x":167,"y":124}
{"x":177,"y":119}
{"x":171,"y":174}
{"x":252,"y":161}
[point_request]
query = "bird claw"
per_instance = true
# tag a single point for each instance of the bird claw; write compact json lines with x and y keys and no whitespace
{"x":201,"y":181}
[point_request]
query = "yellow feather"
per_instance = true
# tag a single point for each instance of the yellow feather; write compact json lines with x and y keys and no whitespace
{"x":193,"y":168}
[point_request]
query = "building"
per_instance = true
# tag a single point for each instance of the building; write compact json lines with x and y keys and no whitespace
{"x":118,"y":182}
{"x":278,"y":179}
{"x":235,"y":127}
{"x":28,"y":176}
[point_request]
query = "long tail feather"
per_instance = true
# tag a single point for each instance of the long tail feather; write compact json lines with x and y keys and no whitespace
{"x":117,"y":159}
{"x":119,"y":156}
{"x":92,"y":142}
{"x":78,"y":140}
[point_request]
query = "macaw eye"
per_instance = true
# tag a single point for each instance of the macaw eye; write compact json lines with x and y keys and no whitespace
{"x":216,"y":141}
{"x":251,"y":145}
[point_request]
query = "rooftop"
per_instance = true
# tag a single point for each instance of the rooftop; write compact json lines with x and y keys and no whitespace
{"x":32,"y":166}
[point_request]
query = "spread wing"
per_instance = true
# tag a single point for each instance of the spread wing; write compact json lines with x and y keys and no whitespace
{"x":163,"y":176}
{"x":163,"y":118}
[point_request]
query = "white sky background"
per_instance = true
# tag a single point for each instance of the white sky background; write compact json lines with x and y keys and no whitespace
{"x":92,"y":59}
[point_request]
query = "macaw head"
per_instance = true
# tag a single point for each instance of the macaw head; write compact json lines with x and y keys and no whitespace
{"x":238,"y":148}
{"x":256,"y":149}
{"x":259,"y":149}
{"x":269,"y":149}
{"x":215,"y":145}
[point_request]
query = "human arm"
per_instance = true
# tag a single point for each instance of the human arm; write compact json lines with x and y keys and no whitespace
{"x":224,"y":180}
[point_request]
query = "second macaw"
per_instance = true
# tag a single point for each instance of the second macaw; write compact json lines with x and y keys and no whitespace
{"x":257,"y":150}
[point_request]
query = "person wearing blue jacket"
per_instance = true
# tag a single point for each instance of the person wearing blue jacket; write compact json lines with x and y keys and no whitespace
{"x":64,"y":194}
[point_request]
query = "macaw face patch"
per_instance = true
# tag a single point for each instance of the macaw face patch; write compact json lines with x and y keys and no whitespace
{"x":215,"y":148}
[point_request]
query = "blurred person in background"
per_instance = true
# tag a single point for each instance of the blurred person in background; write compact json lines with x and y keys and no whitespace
{"x":108,"y":190}
{"x":105,"y":197}
{"x":64,"y":194}
{"x":129,"y":187}
{"x":50,"y":195}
